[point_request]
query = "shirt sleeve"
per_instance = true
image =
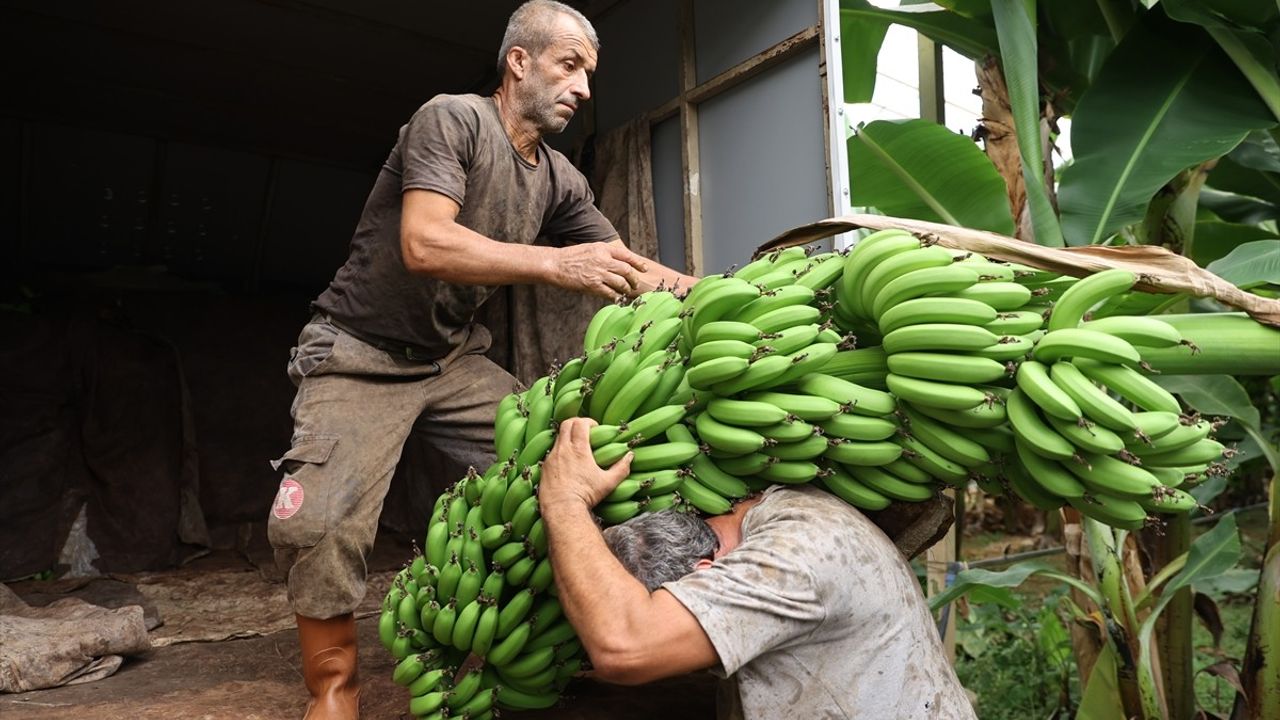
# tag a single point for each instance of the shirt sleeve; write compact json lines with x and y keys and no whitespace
{"x":760,"y":597}
{"x":437,"y":148}
{"x":574,"y":217}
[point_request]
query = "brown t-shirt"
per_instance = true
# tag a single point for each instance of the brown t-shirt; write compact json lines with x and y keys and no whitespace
{"x":454,"y":145}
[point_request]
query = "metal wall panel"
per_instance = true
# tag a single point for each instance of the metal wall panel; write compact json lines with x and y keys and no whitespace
{"x":762,"y":160}
{"x":668,"y":193}
{"x":639,"y":60}
{"x":730,"y":31}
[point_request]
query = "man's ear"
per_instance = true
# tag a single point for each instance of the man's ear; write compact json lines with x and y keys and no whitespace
{"x":702,"y":564}
{"x":518,"y":60}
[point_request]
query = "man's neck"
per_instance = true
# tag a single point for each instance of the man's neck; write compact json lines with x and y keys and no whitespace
{"x":728,"y":527}
{"x":524,"y":138}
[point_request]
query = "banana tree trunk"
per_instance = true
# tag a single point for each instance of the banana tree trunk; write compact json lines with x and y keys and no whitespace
{"x":1261,"y":672}
{"x":1173,"y":628}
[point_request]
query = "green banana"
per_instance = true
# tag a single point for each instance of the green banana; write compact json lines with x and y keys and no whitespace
{"x":622,"y":369}
{"x":788,"y":340}
{"x":1180,"y":437}
{"x":662,"y":456}
{"x":745,"y":465}
{"x":824,"y":271}
{"x":850,"y":396}
{"x":1114,"y":511}
{"x":985,"y":415}
{"x":843,"y":485}
{"x":728,"y":438}
{"x":790,"y":472}
{"x":514,"y":612}
{"x":930,"y":281}
{"x":719,"y":370}
{"x":703,"y":498}
{"x":744,"y":413}
{"x":757,"y":375}
{"x":1106,"y":474}
{"x":658,"y":338}
{"x":1079,"y":343}
{"x":1033,"y":380}
{"x":727,"y":330}
{"x":1138,"y":330}
{"x":783,"y":318}
{"x":925,"y":459}
{"x":1017,"y":322}
{"x":1001,"y":296}
{"x":936,"y":394}
{"x":632,"y":395}
{"x":934,"y":310}
{"x":1087,"y":435}
{"x":1203,"y":451}
{"x":943,"y":440}
{"x":510,"y":646}
{"x":806,"y":449}
{"x":864,"y":257}
{"x":806,"y":406}
{"x":890,"y":486}
{"x":651,"y":424}
{"x":1152,"y":426}
{"x":774,"y":300}
{"x":722,"y":301}
{"x":938,"y":336}
{"x":946,"y":367}
{"x":509,"y":434}
{"x":616,"y":513}
{"x":1051,"y":476}
{"x":710,"y":475}
{"x":1033,"y":431}
{"x":1008,"y":348}
{"x":1130,"y":384}
{"x":789,"y":430}
{"x":536,"y":449}
{"x":591,"y":339}
{"x":1085,"y":293}
{"x":853,"y":452}
{"x":932,"y":256}
{"x":1030,"y":491}
{"x":1170,"y":500}
{"x":858,"y":427}
{"x":1096,"y":404}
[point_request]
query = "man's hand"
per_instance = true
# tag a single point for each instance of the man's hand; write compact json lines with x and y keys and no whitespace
{"x":605,"y":269}
{"x":570,"y":473}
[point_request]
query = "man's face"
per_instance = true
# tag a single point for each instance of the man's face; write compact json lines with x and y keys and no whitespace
{"x":557,"y":79}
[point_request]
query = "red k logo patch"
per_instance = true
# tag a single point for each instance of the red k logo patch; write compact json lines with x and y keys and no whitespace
{"x":288,"y":499}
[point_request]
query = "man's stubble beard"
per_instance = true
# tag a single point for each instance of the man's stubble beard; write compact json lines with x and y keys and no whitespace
{"x":539,"y":107}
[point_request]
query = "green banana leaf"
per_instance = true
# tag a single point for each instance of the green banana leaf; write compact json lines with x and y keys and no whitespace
{"x":979,"y":579}
{"x":1237,"y":208}
{"x":1100,"y":698}
{"x":967,"y":37}
{"x":1241,"y":29}
{"x":1017,"y":33}
{"x":1142,"y":123}
{"x":1211,"y":555}
{"x":1234,"y":177}
{"x":1259,"y":151}
{"x":1250,"y":265}
{"x":917,"y":169}
{"x":1215,"y":239}
{"x":861,"y":39}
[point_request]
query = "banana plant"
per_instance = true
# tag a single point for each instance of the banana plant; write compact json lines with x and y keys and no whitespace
{"x":1174,"y":108}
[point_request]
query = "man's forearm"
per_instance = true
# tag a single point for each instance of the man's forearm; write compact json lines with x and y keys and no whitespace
{"x":456,"y":254}
{"x":602,"y":600}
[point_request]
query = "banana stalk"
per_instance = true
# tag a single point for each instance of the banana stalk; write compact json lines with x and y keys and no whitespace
{"x":1173,"y":629}
{"x":1135,"y":679}
{"x":1229,"y":343}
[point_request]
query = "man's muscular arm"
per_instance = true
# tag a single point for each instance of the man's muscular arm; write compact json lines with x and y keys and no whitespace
{"x":632,"y":636}
{"x":433,"y":243}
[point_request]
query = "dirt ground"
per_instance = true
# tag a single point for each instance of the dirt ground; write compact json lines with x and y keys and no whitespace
{"x":226,"y":676}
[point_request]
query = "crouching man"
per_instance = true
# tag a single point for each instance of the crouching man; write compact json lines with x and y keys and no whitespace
{"x":801,"y":604}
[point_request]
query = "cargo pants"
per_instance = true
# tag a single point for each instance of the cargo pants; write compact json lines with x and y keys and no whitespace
{"x":354,"y":408}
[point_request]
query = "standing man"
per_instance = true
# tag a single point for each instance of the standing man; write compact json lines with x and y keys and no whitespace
{"x":801,"y":604}
{"x":392,"y":346}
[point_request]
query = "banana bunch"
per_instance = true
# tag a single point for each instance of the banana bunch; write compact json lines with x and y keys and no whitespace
{"x":975,"y":370}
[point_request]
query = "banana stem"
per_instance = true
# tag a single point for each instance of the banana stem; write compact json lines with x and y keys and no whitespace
{"x":1228,"y":343}
{"x":1133,"y":676}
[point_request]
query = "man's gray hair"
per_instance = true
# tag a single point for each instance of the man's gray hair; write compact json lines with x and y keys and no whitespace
{"x":662,"y":546}
{"x":530,"y":28}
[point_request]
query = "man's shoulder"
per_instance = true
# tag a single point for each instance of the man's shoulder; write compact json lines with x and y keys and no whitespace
{"x":467,"y":105}
{"x":810,"y":502}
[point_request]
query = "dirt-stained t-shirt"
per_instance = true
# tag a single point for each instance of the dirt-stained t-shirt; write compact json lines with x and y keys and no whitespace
{"x":454,"y":145}
{"x":816,"y":615}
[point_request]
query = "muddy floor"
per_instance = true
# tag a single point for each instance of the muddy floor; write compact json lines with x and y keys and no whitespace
{"x":203,"y":667}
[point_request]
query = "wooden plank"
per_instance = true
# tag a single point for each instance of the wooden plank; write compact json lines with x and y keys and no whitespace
{"x":753,"y":65}
{"x":938,"y":559}
{"x":689,"y":164}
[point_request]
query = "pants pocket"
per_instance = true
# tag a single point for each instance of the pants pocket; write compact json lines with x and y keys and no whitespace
{"x":299,"y":513}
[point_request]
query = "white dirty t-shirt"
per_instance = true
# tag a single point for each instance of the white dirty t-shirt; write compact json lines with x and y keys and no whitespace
{"x":817,"y":615}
